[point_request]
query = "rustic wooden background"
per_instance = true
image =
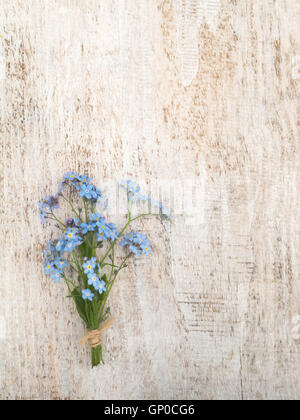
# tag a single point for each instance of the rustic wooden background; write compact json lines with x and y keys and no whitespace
{"x":187,"y":95}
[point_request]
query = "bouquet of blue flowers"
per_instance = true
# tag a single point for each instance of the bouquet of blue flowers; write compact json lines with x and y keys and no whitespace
{"x":84,"y":254}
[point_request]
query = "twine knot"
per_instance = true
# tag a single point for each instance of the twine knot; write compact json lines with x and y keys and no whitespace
{"x":94,"y":337}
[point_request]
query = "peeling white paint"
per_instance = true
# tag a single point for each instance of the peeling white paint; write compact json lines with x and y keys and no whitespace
{"x":96,"y":88}
{"x":190,"y":15}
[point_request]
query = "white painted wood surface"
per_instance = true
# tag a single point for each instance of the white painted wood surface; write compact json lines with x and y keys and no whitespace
{"x":196,"y":94}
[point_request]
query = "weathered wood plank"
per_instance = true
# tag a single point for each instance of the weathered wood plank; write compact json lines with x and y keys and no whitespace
{"x":200,"y":98}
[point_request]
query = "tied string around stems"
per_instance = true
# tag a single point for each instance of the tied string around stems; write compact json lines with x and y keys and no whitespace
{"x":94,"y":337}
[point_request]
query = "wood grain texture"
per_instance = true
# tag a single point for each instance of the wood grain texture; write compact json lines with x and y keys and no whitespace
{"x":193,"y":97}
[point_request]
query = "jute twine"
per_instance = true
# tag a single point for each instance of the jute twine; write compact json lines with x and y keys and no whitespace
{"x":94,"y":337}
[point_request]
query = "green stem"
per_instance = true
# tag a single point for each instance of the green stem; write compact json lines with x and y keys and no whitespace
{"x":119,"y":269}
{"x":75,"y":269}
{"x":58,"y":221}
{"x":79,"y":267}
{"x":110,"y":265}
{"x":128,"y":206}
{"x":85,"y":210}
{"x":110,"y":284}
{"x":87,"y":312}
{"x":67,"y":283}
{"x":87,"y":241}
{"x":75,"y":259}
{"x":72,"y":207}
{"x":121,"y":233}
{"x":97,"y":356}
{"x":94,"y":244}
